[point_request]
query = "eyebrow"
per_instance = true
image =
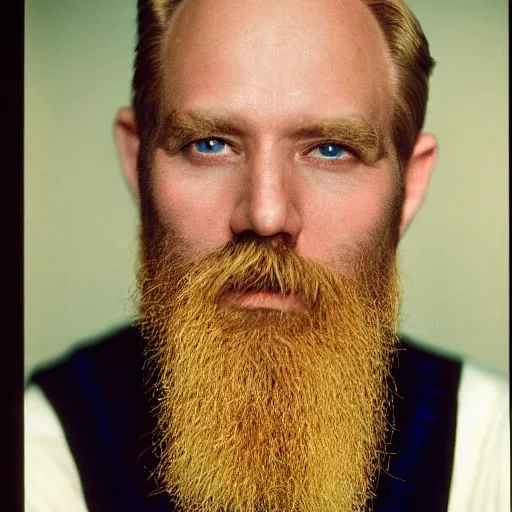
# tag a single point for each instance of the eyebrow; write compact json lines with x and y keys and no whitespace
{"x":355,"y":133}
{"x":180,"y":128}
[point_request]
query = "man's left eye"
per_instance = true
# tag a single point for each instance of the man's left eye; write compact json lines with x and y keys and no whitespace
{"x":329,"y":151}
{"x":209,"y":145}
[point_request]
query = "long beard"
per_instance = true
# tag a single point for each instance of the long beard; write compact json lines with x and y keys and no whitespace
{"x":264,"y":410}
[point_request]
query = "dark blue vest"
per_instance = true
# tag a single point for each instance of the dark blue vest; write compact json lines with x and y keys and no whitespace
{"x":99,"y":395}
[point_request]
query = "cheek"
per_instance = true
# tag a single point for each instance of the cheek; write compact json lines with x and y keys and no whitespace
{"x":197,"y":210}
{"x":349,"y":216}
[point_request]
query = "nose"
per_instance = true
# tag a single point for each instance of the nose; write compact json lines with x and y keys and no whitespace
{"x":268,"y":200}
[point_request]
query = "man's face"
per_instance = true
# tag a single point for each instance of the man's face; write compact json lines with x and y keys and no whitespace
{"x":276,"y":121}
{"x":270,"y":221}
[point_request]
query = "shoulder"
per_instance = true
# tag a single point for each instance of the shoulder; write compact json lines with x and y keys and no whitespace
{"x":479,"y":401}
{"x":51,"y":478}
{"x":480,"y":383}
{"x":481,"y":472}
{"x":57,"y":393}
{"x":90,"y":369}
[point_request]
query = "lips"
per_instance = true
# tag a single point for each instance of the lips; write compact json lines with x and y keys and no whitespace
{"x":262,"y":299}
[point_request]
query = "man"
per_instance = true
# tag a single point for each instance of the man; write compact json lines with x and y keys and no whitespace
{"x":277,"y":153}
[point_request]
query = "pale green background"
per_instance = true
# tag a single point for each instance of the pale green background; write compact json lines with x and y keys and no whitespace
{"x":80,"y":221}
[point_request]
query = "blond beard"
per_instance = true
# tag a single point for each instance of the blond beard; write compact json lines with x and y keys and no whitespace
{"x":264,"y":410}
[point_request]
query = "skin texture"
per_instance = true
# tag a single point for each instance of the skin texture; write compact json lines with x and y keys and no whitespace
{"x":269,"y":69}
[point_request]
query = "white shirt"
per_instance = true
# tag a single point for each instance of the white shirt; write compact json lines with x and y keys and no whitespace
{"x":480,"y":478}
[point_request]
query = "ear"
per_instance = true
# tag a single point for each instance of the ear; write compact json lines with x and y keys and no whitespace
{"x":127,"y":144}
{"x":417,"y":176}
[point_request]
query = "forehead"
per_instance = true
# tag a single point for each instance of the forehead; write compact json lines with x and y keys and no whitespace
{"x":273,"y":60}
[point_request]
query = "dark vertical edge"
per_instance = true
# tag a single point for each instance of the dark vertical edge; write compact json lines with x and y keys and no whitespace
{"x":11,"y":247}
{"x":509,"y":232}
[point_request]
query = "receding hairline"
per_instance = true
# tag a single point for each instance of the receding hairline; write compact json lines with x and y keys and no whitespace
{"x":168,"y":10}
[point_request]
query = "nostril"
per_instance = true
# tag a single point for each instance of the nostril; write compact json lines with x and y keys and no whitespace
{"x":282,"y":238}
{"x":278,"y":239}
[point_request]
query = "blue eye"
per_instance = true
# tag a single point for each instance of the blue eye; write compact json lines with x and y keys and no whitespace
{"x":329,"y":150}
{"x":209,"y":146}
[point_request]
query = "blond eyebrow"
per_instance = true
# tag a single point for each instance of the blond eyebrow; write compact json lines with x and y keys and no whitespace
{"x":355,"y":133}
{"x":180,"y":128}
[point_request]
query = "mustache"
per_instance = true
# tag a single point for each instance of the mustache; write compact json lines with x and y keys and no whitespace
{"x":267,"y":266}
{"x":253,"y":263}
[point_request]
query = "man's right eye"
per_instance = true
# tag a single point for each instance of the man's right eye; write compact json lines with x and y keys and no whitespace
{"x":208,"y":146}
